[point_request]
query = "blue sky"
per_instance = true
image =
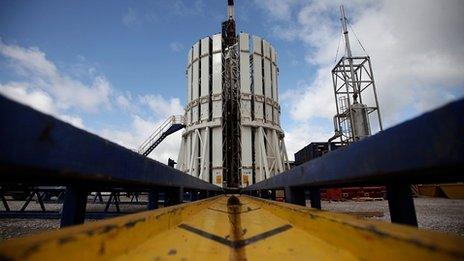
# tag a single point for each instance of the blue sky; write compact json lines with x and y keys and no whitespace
{"x":117,"y":68}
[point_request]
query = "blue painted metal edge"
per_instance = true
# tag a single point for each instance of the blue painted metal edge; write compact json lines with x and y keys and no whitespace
{"x":37,"y":147}
{"x":426,"y":149}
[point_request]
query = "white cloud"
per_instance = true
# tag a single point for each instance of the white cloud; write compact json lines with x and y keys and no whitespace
{"x":176,"y":47}
{"x":38,"y":100}
{"x":302,"y":134}
{"x":415,"y":47}
{"x":42,"y":74}
{"x":125,"y":102}
{"x":35,"y":98}
{"x":277,"y":9}
{"x":51,"y":91}
{"x":73,"y":120}
{"x":131,"y":18}
{"x":162,"y":107}
{"x":192,"y":8}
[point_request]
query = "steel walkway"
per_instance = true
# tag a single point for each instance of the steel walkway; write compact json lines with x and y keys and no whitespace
{"x":172,"y":124}
{"x":236,"y":228}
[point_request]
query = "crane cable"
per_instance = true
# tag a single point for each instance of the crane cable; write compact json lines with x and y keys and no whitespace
{"x":357,"y":39}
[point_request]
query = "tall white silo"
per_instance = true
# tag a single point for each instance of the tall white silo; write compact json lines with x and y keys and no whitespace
{"x":261,"y":151}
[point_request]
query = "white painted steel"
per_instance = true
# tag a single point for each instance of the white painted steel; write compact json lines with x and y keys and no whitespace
{"x":263,"y":152}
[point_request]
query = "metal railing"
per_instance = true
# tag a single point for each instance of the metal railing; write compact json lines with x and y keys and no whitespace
{"x":427,"y":149}
{"x":39,"y":150}
{"x":160,"y":133}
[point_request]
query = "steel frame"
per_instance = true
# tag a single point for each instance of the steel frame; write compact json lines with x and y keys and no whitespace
{"x":231,"y":117}
{"x":345,"y":87}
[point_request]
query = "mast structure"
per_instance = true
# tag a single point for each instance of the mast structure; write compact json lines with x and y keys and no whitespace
{"x":231,"y":101}
{"x":349,"y":56}
{"x":355,"y":94}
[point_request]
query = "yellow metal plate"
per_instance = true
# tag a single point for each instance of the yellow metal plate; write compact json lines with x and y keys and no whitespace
{"x":225,"y":228}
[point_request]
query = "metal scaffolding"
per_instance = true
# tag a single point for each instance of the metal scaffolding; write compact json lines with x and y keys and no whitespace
{"x":355,"y":94}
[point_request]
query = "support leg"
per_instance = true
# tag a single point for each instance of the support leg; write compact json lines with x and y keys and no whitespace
{"x":295,"y":195}
{"x":153,"y":198}
{"x":75,"y":201}
{"x":174,"y":196}
{"x":401,"y":204}
{"x":315,"y":197}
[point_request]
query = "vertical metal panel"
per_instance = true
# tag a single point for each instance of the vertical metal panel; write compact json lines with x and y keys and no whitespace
{"x":275,"y":95}
{"x":195,"y":112}
{"x":204,"y":80}
{"x":258,"y":79}
{"x":217,"y":78}
{"x":188,"y":152}
{"x":195,"y":81}
{"x":270,"y":152}
{"x":257,"y":66}
{"x":195,"y":153}
{"x":188,"y":113}
{"x":216,"y":132}
{"x":217,"y":64}
{"x":245,"y":108}
{"x":217,"y":156}
{"x":245,"y":87}
{"x":276,"y":114}
{"x":246,"y":153}
{"x":267,"y":70}
{"x":189,"y":89}
{"x":267,"y":81}
{"x":245,"y":83}
{"x":205,"y":42}
{"x":189,"y":76}
{"x":181,"y":155}
{"x":204,"y":159}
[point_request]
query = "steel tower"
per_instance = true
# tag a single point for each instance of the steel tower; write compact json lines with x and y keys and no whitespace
{"x":355,"y":94}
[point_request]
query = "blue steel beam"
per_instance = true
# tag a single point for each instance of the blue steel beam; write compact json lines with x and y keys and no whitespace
{"x":427,"y":149}
{"x":37,"y":148}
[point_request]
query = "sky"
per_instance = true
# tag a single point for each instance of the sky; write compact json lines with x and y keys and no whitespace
{"x":117,"y":68}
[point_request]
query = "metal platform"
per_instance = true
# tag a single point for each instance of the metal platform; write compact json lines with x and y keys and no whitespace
{"x":236,"y":228}
{"x":171,"y":125}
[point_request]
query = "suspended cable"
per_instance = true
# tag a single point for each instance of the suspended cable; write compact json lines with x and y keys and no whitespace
{"x":357,"y":39}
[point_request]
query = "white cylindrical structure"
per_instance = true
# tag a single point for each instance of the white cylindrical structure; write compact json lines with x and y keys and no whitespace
{"x":263,"y":152}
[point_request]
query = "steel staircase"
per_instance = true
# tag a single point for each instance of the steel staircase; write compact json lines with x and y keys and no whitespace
{"x":169,"y":126}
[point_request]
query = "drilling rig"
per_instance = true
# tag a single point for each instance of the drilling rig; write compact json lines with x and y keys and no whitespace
{"x":231,"y":100}
{"x":232,"y":135}
{"x":353,"y":81}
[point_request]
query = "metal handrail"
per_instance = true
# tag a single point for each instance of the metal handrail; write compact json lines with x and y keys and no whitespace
{"x":174,"y":119}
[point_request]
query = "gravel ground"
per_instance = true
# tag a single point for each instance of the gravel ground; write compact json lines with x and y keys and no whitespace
{"x":440,"y":214}
{"x":445,"y":215}
{"x":10,"y":228}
